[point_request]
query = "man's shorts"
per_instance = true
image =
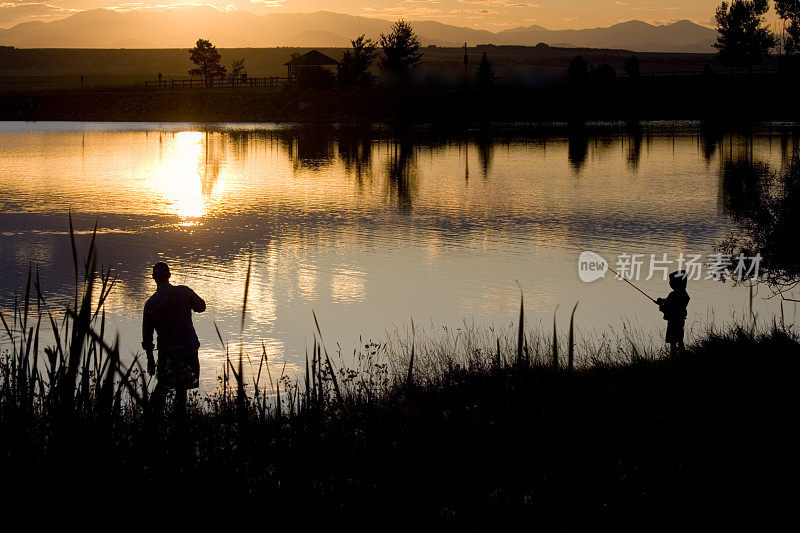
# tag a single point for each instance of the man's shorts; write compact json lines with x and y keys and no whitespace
{"x":178,"y":367}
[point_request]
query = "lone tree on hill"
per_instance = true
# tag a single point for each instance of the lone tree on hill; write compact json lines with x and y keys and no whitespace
{"x":207,"y":59}
{"x":744,"y":37}
{"x":354,"y":67}
{"x":401,"y":48}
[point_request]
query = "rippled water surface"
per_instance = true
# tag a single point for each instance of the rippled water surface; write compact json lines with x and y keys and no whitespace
{"x":371,"y":228}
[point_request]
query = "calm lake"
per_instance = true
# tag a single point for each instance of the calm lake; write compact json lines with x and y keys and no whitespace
{"x":373,"y":228}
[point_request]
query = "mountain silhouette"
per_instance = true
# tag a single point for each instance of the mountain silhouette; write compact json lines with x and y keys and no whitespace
{"x":180,"y":27}
{"x":681,"y":36}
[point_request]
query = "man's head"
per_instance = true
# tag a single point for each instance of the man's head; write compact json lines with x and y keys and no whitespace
{"x":161,"y":272}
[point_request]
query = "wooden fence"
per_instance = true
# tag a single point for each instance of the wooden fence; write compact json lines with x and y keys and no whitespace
{"x":200,"y":83}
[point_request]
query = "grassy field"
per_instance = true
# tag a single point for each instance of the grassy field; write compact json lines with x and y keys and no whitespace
{"x":532,"y":85}
{"x":720,"y":97}
{"x":49,"y":69}
{"x":517,"y":435}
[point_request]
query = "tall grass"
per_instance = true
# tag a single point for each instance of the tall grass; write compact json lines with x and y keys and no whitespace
{"x":440,"y":428}
{"x":555,"y":338}
{"x":571,"y":342}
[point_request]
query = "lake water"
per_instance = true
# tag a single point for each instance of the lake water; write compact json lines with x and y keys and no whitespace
{"x":373,"y":228}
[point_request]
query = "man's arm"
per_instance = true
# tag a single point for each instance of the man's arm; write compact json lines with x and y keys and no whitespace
{"x":147,"y":341}
{"x":197,"y":304}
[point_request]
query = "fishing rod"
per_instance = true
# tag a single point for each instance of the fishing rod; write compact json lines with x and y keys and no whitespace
{"x":630,"y":283}
{"x":626,"y":280}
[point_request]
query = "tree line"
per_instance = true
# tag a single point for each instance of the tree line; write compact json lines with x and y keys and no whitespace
{"x":744,"y":40}
{"x":745,"y":37}
{"x":397,"y":54}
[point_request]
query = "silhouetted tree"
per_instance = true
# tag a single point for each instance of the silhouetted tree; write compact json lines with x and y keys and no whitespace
{"x":605,"y":75}
{"x":634,"y":96}
{"x":789,"y":12}
{"x":237,"y":69}
{"x":354,"y":67}
{"x":578,"y":73}
{"x":744,"y":37}
{"x":632,"y":67}
{"x":485,"y":72}
{"x":207,"y":59}
{"x":401,"y":48}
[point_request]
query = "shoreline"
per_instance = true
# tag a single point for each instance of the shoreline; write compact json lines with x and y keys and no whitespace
{"x":714,"y":98}
{"x":474,"y":438}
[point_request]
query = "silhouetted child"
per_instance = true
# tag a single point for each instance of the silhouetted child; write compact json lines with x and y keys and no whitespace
{"x":674,"y":309}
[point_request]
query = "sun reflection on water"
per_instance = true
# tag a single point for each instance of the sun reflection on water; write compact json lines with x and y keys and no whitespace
{"x":179,"y":181}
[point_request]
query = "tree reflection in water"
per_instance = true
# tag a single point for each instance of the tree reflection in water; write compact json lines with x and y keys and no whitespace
{"x":764,"y":205}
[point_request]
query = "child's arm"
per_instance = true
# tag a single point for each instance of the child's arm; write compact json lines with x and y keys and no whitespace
{"x":665,"y":305}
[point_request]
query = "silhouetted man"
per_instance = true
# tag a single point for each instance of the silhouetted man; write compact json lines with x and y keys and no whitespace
{"x":169,"y":313}
{"x":674,"y":309}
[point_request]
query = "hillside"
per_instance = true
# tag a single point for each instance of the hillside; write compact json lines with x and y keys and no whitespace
{"x":178,"y":28}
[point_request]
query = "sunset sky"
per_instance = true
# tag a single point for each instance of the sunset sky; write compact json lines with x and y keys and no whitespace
{"x":485,"y":14}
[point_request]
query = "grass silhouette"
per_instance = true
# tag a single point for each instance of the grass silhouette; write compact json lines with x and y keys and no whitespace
{"x":477,"y":438}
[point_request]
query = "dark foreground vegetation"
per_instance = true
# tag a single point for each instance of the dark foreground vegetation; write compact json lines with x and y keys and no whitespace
{"x":520,"y":435}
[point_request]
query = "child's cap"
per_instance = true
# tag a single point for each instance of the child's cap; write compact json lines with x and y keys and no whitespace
{"x":678,"y":279}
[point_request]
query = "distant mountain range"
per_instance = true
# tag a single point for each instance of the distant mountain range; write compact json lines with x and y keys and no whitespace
{"x":181,"y":27}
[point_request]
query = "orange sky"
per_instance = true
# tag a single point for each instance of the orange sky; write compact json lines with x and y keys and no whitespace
{"x":485,"y":14}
